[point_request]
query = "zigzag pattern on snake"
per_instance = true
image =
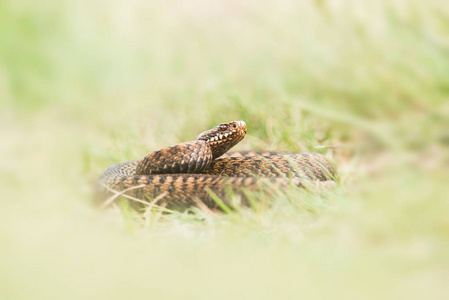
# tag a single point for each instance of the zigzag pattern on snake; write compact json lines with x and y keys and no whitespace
{"x":183,"y":174}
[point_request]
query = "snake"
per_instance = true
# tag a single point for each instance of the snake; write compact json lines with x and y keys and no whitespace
{"x":204,"y":172}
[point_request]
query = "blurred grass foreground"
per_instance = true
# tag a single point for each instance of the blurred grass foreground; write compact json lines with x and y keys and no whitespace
{"x":85,"y":84}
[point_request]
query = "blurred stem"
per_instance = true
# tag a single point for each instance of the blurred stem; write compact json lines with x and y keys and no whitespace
{"x":381,"y":131}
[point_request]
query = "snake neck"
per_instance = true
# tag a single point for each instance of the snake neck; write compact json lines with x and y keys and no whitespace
{"x":190,"y":157}
{"x":195,"y":156}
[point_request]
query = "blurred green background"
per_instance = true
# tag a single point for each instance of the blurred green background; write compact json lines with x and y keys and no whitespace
{"x":85,"y":84}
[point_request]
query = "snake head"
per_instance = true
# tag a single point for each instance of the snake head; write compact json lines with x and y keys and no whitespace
{"x":224,"y":136}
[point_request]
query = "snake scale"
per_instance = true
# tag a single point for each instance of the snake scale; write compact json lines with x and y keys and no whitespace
{"x":180,"y":175}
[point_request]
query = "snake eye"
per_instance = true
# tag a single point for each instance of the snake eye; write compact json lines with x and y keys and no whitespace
{"x":222,"y":128}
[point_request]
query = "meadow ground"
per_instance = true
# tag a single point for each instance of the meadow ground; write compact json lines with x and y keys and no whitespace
{"x":85,"y":84}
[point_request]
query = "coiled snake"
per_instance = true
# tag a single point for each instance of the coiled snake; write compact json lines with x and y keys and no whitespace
{"x":181,"y":175}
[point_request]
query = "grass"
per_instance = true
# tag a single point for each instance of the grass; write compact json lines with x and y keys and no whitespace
{"x":87,"y":84}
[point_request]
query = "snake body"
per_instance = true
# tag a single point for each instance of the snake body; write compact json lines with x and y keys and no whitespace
{"x":186,"y":173}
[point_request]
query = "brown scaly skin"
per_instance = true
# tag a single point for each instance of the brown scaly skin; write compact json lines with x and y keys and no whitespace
{"x":307,"y":166}
{"x":184,"y":173}
{"x":193,"y":157}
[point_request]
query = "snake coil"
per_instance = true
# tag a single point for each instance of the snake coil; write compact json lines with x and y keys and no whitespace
{"x":183,"y":174}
